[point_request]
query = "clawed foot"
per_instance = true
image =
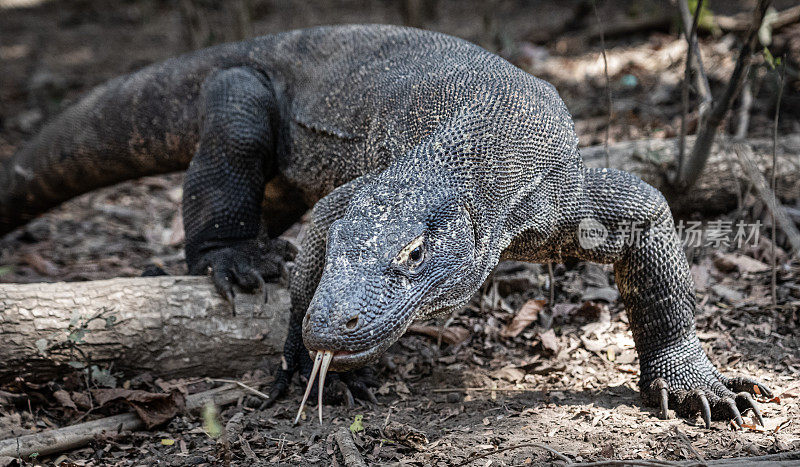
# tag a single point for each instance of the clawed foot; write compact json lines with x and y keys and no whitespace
{"x":345,"y":388}
{"x":716,"y":398}
{"x":244,"y":264}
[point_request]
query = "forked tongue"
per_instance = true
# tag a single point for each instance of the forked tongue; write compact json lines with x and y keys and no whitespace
{"x":320,"y":359}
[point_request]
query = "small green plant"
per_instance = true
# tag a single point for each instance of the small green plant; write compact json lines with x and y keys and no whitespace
{"x":211,"y":420}
{"x":79,"y":326}
{"x":357,"y":424}
{"x":773,"y":62}
{"x":77,"y":332}
{"x":103,"y":377}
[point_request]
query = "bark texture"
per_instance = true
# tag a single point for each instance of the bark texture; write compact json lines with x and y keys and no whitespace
{"x":170,"y":326}
{"x":722,"y":181}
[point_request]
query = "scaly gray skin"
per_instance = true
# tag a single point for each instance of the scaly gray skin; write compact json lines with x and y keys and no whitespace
{"x":431,"y":160}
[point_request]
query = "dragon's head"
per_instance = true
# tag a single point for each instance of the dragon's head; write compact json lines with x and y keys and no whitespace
{"x":401,"y":252}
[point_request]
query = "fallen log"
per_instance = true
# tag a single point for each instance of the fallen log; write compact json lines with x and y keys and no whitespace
{"x":170,"y":326}
{"x":723,"y":181}
{"x":74,"y":436}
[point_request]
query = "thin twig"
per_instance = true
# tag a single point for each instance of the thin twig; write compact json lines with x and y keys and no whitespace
{"x":774,"y":282}
{"x":703,"y":88}
{"x":350,"y":454}
{"x":744,"y":110}
{"x":608,"y":85}
{"x":388,"y":415}
{"x":519,"y":446}
{"x":88,"y":396}
{"x":745,"y":154}
{"x":484,"y":389}
{"x":689,"y":445}
{"x":642,"y":463}
{"x":691,"y":38}
{"x":243,"y":386}
{"x":74,"y":436}
{"x":741,"y":22}
{"x":693,"y":168}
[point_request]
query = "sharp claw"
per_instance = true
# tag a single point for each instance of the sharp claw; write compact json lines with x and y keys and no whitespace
{"x":370,"y":396}
{"x":326,"y":361}
{"x":735,"y":411}
{"x":748,"y":399}
{"x":317,"y":361}
{"x":664,"y":403}
{"x":262,"y":287}
{"x":765,"y":391}
{"x":274,"y":394}
{"x":262,"y":284}
{"x":229,"y":297}
{"x":348,"y":397}
{"x":705,"y":410}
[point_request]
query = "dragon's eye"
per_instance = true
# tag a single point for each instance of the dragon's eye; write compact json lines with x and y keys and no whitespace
{"x":413,"y":253}
{"x":416,"y":254}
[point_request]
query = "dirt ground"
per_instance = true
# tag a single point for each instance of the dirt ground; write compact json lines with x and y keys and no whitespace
{"x":567,"y":379}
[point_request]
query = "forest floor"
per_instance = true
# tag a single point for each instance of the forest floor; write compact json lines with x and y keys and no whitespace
{"x":565,"y":378}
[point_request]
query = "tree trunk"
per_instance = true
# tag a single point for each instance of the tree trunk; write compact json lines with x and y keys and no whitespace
{"x":722,"y":182}
{"x":169,"y":326}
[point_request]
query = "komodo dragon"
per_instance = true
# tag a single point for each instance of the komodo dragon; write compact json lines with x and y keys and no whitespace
{"x":427,"y":159}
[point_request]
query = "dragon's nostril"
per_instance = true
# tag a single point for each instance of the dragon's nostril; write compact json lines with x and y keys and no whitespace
{"x":352,"y":323}
{"x":305,"y":321}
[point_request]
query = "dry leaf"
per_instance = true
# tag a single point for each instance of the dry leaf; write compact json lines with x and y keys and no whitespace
{"x":525,"y":316}
{"x":407,"y":435}
{"x":593,"y":345}
{"x":549,"y":341}
{"x":729,"y":262}
{"x":452,"y":335}
{"x":64,"y":399}
{"x":82,"y":400}
{"x":542,"y":368}
{"x":509,"y":373}
{"x":153,"y":408}
{"x":564,"y":310}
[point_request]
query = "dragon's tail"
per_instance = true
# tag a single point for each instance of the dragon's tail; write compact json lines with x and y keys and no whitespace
{"x":141,"y":124}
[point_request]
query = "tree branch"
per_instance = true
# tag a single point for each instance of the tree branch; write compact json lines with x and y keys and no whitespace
{"x":696,"y":61}
{"x":694,"y":165}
